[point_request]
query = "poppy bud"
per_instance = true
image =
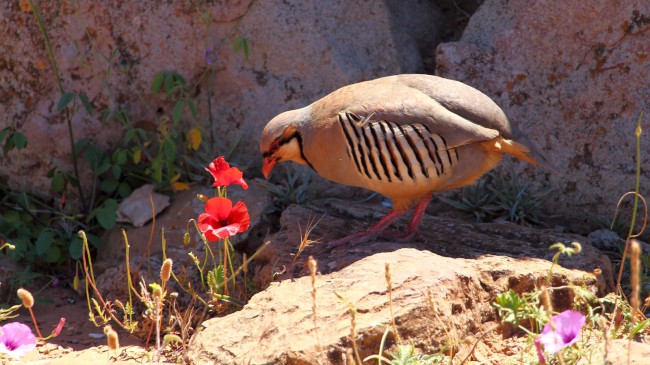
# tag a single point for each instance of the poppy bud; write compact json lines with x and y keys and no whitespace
{"x":186,"y":238}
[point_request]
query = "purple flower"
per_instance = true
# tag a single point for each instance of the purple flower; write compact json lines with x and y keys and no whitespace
{"x":563,"y":332}
{"x":16,"y":339}
{"x":211,"y":56}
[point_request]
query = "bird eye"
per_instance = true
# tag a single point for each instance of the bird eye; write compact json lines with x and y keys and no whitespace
{"x":274,"y":146}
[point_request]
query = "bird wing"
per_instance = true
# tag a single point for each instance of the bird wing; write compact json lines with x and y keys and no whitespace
{"x":423,"y":115}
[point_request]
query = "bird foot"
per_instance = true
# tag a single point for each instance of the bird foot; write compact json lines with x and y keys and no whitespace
{"x":354,"y":238}
{"x":401,"y":236}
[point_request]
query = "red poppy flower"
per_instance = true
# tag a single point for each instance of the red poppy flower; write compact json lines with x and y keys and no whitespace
{"x":225,"y":175}
{"x":222,"y":220}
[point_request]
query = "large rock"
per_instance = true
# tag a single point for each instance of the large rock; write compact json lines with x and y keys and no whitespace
{"x":464,"y":266}
{"x":277,"y":326}
{"x":299,"y":51}
{"x":573,"y":77}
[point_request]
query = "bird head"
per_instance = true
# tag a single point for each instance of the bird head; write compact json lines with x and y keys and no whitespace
{"x":282,"y":140}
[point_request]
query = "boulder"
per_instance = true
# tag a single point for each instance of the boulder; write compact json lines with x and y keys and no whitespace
{"x":299,"y":51}
{"x":573,"y":77}
{"x":461,"y":266}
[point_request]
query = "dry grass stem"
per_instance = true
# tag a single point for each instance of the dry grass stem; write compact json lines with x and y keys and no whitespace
{"x":450,"y":340}
{"x":313,"y":265}
{"x":353,"y":326}
{"x":546,"y":301}
{"x":390,"y":302}
{"x":476,"y":342}
{"x":635,"y":268}
{"x":304,"y":238}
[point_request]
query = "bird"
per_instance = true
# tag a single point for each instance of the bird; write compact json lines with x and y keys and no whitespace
{"x":404,"y":136}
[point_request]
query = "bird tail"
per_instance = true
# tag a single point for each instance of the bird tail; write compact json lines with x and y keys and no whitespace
{"x":523,"y":152}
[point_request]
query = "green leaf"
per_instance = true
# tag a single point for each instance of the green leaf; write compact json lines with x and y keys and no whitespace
{"x":128,"y":136}
{"x":19,"y":140}
{"x":9,"y":145}
{"x":192,"y":106}
{"x":81,"y":144}
{"x":3,"y":133}
{"x":107,"y":115}
{"x":178,"y":108}
{"x":157,"y":82}
{"x":142,"y":133}
{"x":111,"y":204}
{"x":121,"y":157}
{"x":75,"y":248}
{"x":241,"y":45}
{"x":94,"y":241}
{"x":92,"y":154}
{"x":178,"y":79}
{"x":169,"y":83}
{"x":104,"y":165}
{"x":53,"y":254}
{"x":44,"y":242}
{"x":106,"y":217}
{"x":124,"y":190}
{"x":66,"y":98}
{"x":117,"y":171}
{"x":11,"y":216}
{"x":169,"y":149}
{"x":86,"y":103}
{"x":122,"y":116}
{"x":244,"y":42}
{"x":58,"y":182}
{"x":108,"y":185}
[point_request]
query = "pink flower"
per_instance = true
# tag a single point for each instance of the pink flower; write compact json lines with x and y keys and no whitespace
{"x":562,"y":332}
{"x":222,"y":220}
{"x":16,"y":339}
{"x":225,"y":175}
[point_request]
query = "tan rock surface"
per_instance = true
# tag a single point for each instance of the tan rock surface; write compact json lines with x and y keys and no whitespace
{"x":298,"y":52}
{"x":276,"y":326}
{"x":464,"y":265}
{"x":573,"y":76}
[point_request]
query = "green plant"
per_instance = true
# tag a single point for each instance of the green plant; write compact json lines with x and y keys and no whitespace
{"x":502,"y":196}
{"x":476,"y":199}
{"x":294,"y":187}
{"x":406,"y":355}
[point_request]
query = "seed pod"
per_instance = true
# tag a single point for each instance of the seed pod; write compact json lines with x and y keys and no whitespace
{"x":166,"y":270}
{"x":111,"y":336}
{"x":26,"y":297}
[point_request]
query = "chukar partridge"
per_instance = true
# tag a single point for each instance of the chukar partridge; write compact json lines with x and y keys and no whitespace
{"x":403,"y":136}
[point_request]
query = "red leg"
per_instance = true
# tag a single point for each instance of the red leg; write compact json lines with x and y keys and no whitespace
{"x":414,"y":224}
{"x":370,"y":233}
{"x":413,"y":227}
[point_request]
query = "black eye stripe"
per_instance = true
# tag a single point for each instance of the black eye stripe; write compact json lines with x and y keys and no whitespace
{"x":286,"y":140}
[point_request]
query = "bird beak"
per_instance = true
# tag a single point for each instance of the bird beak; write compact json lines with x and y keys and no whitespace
{"x":267,"y":166}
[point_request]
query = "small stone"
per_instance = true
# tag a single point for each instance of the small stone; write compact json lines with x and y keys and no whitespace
{"x":137,"y":210}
